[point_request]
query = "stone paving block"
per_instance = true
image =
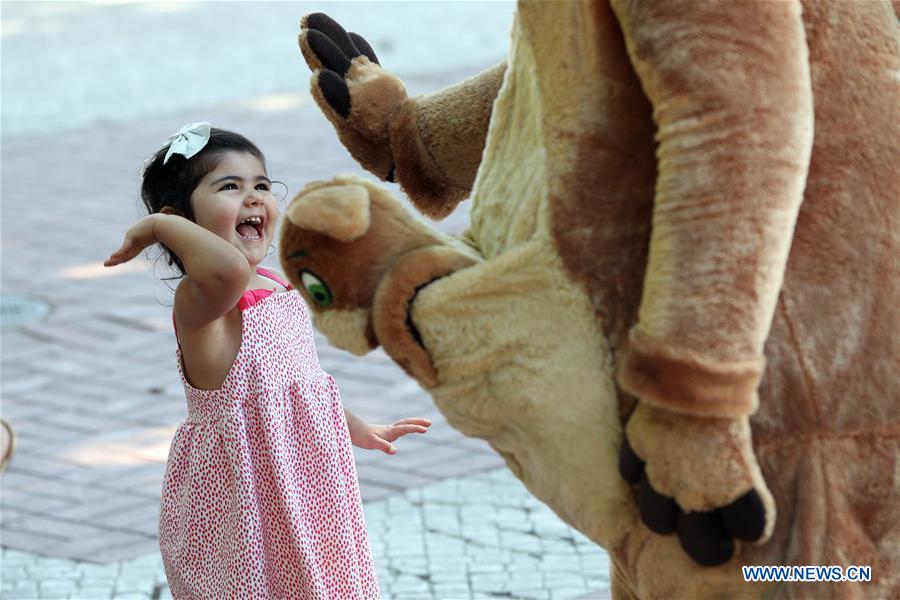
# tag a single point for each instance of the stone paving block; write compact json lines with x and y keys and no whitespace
{"x":442,"y":462}
{"x":530,"y":593}
{"x":400,"y":505}
{"x":441,"y":516}
{"x":23,"y":594}
{"x":383,"y":474}
{"x":446,"y":526}
{"x":474,"y":508}
{"x":27,"y":540}
{"x":139,"y":585}
{"x":486,"y":537}
{"x":105,"y":546}
{"x":371,"y":492}
{"x":57,"y":586}
{"x":567,"y":593}
{"x":136,"y":545}
{"x":489,"y":582}
{"x":129,"y":475}
{"x":93,"y":593}
{"x":595,"y":563}
{"x":77,"y":421}
{"x":560,"y":563}
{"x":60,"y":336}
{"x":479,"y":553}
{"x":597,"y":594}
{"x":139,"y":519}
{"x":60,"y":365}
{"x":25,"y":382}
{"x":520,"y":542}
{"x":452,"y":591}
{"x":462,"y":464}
{"x":439,"y":544}
{"x":561,"y":579}
{"x":17,"y":409}
{"x":409,"y":584}
{"x":11,"y":516}
{"x":507,"y":516}
{"x":414,"y":564}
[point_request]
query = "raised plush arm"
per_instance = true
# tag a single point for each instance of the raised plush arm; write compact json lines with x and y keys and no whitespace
{"x":732,"y":98}
{"x":430,"y":145}
{"x":731,"y":91}
{"x":437,"y":141}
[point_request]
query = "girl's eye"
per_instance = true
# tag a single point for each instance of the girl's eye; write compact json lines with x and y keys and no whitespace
{"x":316,"y":288}
{"x":263,"y":186}
{"x":229,"y":186}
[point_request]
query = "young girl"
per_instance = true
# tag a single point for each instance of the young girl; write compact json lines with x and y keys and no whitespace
{"x":260,"y":497}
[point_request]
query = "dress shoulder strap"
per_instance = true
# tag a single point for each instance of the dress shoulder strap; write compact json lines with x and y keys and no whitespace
{"x":270,"y":275}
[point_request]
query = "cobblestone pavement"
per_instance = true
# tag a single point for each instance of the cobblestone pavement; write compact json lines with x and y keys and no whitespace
{"x":91,"y":389}
{"x":481,"y":536}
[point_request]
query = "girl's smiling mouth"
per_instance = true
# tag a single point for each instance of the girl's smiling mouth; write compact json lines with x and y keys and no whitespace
{"x":251,"y":228}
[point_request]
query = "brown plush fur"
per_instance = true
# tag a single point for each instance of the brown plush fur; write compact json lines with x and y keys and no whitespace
{"x":390,"y":252}
{"x":375,"y":98}
{"x":701,"y":194}
{"x":370,"y":255}
{"x":688,"y":383}
{"x":389,"y":133}
{"x":436,"y":159}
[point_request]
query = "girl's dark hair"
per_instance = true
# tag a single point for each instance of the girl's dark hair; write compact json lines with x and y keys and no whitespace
{"x":172,"y":183}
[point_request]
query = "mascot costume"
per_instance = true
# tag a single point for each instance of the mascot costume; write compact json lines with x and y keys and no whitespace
{"x":675,"y":312}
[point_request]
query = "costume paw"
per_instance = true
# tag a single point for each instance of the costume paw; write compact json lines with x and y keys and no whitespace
{"x":697,"y":477}
{"x":353,"y":91}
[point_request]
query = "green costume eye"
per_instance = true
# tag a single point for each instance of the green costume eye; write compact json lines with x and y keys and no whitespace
{"x":316,"y":288}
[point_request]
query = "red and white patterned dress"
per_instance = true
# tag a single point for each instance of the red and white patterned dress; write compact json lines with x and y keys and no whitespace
{"x":260,"y":497}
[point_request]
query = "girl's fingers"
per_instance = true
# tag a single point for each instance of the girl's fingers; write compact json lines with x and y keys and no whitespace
{"x":384,"y":445}
{"x":114,"y":259}
{"x":414,"y":421}
{"x":120,"y":256}
{"x":397,"y":431}
{"x":117,"y":259}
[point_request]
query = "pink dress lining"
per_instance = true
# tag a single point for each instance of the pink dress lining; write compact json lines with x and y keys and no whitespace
{"x":251,"y":297}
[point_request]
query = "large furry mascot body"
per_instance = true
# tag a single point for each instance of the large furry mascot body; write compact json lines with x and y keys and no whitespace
{"x":685,"y":224}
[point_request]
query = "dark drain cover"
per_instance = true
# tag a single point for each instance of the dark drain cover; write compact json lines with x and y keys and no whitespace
{"x":20,"y":309}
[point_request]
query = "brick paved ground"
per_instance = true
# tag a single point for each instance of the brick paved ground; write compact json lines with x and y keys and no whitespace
{"x":478,"y":536}
{"x":94,"y":397}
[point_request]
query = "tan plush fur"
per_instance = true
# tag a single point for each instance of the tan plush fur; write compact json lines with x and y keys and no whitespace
{"x":691,"y":203}
{"x":341,"y":212}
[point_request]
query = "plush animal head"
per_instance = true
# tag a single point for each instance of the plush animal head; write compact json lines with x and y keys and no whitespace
{"x":338,"y":240}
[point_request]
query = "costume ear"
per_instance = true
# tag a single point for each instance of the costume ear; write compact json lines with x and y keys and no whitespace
{"x":340,"y":211}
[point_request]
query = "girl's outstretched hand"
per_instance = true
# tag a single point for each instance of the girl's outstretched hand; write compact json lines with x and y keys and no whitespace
{"x":139,"y":236}
{"x":379,"y":437}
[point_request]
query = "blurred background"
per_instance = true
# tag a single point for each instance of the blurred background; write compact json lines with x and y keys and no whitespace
{"x":88,"y":386}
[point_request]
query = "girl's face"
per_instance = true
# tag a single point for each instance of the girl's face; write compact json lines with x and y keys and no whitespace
{"x":235,"y":202}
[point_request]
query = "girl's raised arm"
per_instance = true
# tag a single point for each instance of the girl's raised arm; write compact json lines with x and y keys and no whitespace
{"x":216,"y":272}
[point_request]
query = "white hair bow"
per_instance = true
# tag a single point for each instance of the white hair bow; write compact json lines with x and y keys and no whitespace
{"x":188,"y":141}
